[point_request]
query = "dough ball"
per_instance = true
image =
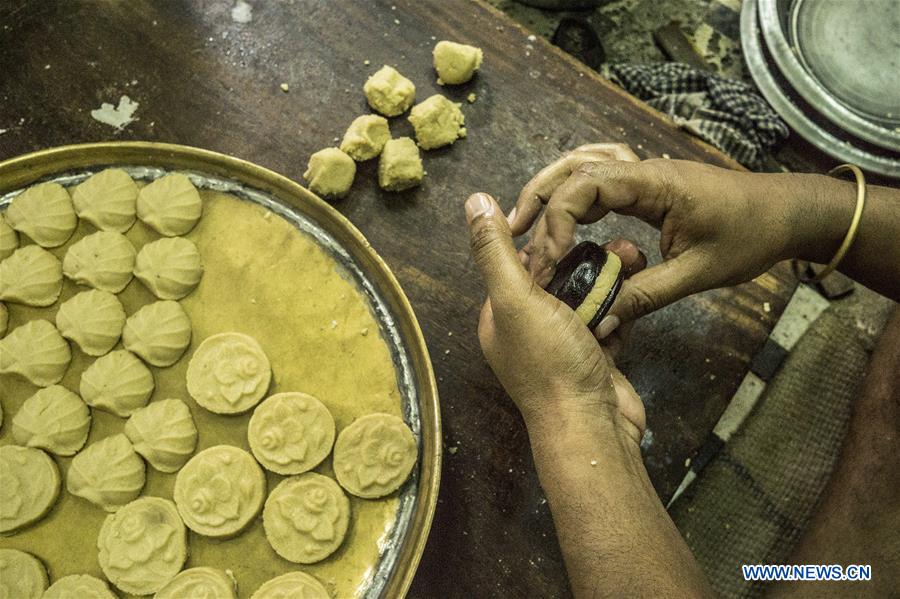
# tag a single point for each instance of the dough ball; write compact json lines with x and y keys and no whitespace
{"x":437,"y":122}
{"x":330,"y":173}
{"x":455,"y":63}
{"x":366,"y":137}
{"x":400,"y":166}
{"x":389,"y":92}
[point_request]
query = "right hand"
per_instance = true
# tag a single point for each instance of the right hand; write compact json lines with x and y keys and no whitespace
{"x":718,"y":227}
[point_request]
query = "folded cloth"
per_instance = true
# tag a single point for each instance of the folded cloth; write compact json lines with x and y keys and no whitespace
{"x":728,"y":114}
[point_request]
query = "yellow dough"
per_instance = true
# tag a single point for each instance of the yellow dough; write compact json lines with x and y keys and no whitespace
{"x":219,"y":491}
{"x":118,"y":383}
{"x":229,"y":373}
{"x":171,"y":205}
{"x":400,"y":167}
{"x":164,"y":433}
{"x":306,"y":518}
{"x":79,"y":586}
{"x":29,"y":486}
{"x":22,"y":576}
{"x":107,"y":473}
{"x":294,"y":585}
{"x":437,"y":121}
{"x":330,"y":173}
{"x":291,"y":433}
{"x":9,"y":239}
{"x":93,"y":320}
{"x":389,"y":92}
{"x":204,"y":583}
{"x":374,"y":455}
{"x":43,"y":212}
{"x":159,"y":333}
{"x":53,"y":419}
{"x":103,"y":260}
{"x":169,"y":267}
{"x":107,"y":200}
{"x":35,"y":351}
{"x":31,"y":276}
{"x":366,"y":137}
{"x":455,"y":63}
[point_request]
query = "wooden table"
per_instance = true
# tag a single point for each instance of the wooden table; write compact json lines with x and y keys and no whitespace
{"x":202,"y":79}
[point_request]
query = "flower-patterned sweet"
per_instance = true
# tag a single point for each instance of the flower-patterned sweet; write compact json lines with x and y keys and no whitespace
{"x":293,"y":585}
{"x":374,"y":455}
{"x":306,"y":518}
{"x":169,"y":267}
{"x":79,"y":586}
{"x":29,"y":486}
{"x":229,"y":373}
{"x":290,"y":433}
{"x":159,"y":333}
{"x":164,"y":433}
{"x":31,"y":276}
{"x":22,"y":576}
{"x":4,"y":319}
{"x":92,"y":319}
{"x":102,"y":260}
{"x":54,"y":419}
{"x":43,"y":212}
{"x":9,"y":239}
{"x":199,"y":583}
{"x":143,"y":545}
{"x":107,"y":200}
{"x":171,"y":205}
{"x":36,"y":351}
{"x":117,"y":382}
{"x":219,"y":491}
{"x":107,"y":473}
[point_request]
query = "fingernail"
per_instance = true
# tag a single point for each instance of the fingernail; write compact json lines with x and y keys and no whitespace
{"x":606,"y":327}
{"x":478,"y":205}
{"x":511,"y":218}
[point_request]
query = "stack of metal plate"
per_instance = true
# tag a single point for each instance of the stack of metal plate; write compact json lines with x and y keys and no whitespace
{"x":831,"y":68}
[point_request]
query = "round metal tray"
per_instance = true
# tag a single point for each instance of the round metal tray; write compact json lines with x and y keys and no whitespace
{"x":401,"y":552}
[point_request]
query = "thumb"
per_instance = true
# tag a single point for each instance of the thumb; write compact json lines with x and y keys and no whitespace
{"x":493,"y":249}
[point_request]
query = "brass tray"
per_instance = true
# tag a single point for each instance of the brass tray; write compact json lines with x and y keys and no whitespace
{"x":401,"y":553}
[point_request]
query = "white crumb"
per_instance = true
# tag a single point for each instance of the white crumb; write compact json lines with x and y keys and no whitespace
{"x":119,"y":116}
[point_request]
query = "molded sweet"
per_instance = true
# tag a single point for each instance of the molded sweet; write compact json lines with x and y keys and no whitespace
{"x":159,"y":333}
{"x":292,"y":585}
{"x":79,"y":586}
{"x":588,"y":279}
{"x":164,"y":433}
{"x":208,"y":583}
{"x":102,"y":260}
{"x":9,"y":239}
{"x":54,"y":419}
{"x":107,"y":473}
{"x":306,"y":518}
{"x":22,"y":576}
{"x":169,"y":267}
{"x":107,"y":200}
{"x":36,"y":351}
{"x":143,"y":545}
{"x":229,"y":373}
{"x":43,"y":212}
{"x":31,"y":276}
{"x":171,"y":205}
{"x":29,"y":486}
{"x":93,"y":320}
{"x":118,"y":382}
{"x":291,"y":433}
{"x":374,"y":455}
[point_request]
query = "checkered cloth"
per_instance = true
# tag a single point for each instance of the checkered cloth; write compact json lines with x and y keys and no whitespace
{"x":728,"y":114}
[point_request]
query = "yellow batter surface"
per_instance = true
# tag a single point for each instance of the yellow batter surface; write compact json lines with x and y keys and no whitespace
{"x":264,"y":278}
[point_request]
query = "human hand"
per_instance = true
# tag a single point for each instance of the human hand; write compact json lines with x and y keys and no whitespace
{"x":541,"y":352}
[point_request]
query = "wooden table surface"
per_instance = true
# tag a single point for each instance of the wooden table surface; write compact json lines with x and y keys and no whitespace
{"x":204,"y":80}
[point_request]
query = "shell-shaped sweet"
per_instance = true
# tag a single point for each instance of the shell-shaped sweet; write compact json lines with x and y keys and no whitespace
{"x":164,"y":433}
{"x":4,"y":318}
{"x":9,"y":239}
{"x":171,"y":205}
{"x":54,"y":419}
{"x":107,"y":473}
{"x":92,"y":319}
{"x":107,"y":200}
{"x":117,"y":382}
{"x":103,"y":260}
{"x":79,"y":586}
{"x":159,"y":333}
{"x":170,"y":267}
{"x":43,"y":212}
{"x":31,"y":276}
{"x":36,"y":351}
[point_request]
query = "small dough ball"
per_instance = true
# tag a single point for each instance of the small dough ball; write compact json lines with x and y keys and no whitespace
{"x":400,"y":166}
{"x":330,"y":173}
{"x":437,"y":122}
{"x":455,"y":63}
{"x":389,"y":92}
{"x":366,"y":137}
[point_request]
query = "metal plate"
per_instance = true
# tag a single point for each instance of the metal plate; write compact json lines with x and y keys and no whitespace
{"x":402,"y":548}
{"x":778,"y":92}
{"x":774,"y":21}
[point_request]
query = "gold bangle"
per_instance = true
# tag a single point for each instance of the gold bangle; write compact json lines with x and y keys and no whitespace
{"x":850,"y":237}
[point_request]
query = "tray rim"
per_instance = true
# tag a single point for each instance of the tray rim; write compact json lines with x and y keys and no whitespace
{"x":25,"y":169}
